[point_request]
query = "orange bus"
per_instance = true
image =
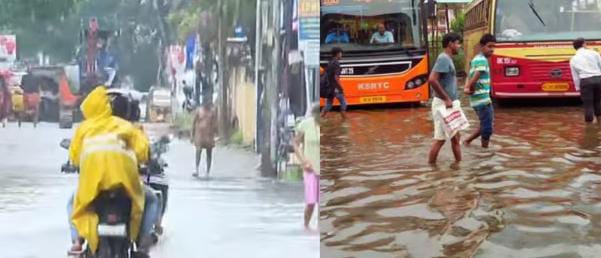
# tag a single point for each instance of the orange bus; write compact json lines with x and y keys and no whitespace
{"x":534,"y":43}
{"x":393,"y":70}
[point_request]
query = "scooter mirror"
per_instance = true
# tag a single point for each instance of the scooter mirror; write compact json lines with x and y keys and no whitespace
{"x":65,"y":143}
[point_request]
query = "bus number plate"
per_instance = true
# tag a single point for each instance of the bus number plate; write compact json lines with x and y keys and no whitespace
{"x":556,"y":87}
{"x":347,"y":71}
{"x":374,"y":99}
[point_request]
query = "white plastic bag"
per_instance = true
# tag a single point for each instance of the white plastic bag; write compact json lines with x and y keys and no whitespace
{"x":453,"y":120}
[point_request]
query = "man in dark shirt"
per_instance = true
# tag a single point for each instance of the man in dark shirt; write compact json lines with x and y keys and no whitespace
{"x":333,"y":77}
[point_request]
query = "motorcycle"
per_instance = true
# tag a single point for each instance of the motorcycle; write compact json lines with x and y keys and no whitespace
{"x":189,"y":104}
{"x":286,"y":134}
{"x":113,"y":208}
{"x":110,"y":204}
{"x":155,"y":177}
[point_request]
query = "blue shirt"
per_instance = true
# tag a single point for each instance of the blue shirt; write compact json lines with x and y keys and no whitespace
{"x":333,"y":37}
{"x":448,"y":76}
{"x":379,"y":38}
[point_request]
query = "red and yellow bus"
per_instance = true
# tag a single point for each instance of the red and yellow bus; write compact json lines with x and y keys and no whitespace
{"x":534,"y":43}
{"x":371,"y":72}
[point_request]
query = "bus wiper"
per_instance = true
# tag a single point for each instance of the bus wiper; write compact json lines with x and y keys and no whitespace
{"x":531,"y":4}
{"x":414,"y":12}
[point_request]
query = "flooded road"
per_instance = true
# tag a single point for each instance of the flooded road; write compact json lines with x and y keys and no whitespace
{"x":535,"y":193}
{"x":235,"y":213}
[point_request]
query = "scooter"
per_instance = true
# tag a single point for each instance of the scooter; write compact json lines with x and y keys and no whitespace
{"x":113,"y":209}
{"x":189,"y":104}
{"x":155,"y":177}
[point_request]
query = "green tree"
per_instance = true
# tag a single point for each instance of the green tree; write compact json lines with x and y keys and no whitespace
{"x":54,"y":27}
{"x":457,"y":25}
{"x":202,"y":16}
{"x":17,"y":13}
{"x":35,"y":21}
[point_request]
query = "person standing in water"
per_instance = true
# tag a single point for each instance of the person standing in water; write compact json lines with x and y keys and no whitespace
{"x":586,"y":73}
{"x":306,"y":148}
{"x":478,"y":89}
{"x":443,"y":80}
{"x":204,"y":129}
{"x":333,"y":86}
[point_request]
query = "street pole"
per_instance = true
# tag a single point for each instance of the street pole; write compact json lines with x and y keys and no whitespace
{"x":258,"y":56}
{"x":222,"y":106}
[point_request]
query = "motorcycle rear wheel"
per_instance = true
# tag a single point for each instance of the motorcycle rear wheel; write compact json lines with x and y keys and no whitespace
{"x":113,"y":248}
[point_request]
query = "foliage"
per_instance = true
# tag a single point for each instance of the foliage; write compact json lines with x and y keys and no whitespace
{"x":25,"y":13}
{"x":183,"y":121}
{"x":146,"y":26}
{"x":237,"y":138}
{"x":202,"y":16}
{"x":35,"y":21}
{"x":54,"y":27}
{"x":458,"y":24}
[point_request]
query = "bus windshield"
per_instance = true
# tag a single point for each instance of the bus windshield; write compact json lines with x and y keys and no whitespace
{"x":545,"y":20}
{"x":364,"y":25}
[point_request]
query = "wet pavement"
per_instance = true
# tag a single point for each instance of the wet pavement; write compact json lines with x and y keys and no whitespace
{"x":535,"y":193}
{"x":234,"y":213}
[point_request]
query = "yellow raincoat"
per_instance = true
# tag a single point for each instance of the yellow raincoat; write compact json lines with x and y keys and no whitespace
{"x":107,"y":149}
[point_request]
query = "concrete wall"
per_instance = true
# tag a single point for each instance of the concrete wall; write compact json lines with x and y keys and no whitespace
{"x":244,"y":102}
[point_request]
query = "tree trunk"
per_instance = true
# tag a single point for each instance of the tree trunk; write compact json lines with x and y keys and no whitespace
{"x":163,"y":38}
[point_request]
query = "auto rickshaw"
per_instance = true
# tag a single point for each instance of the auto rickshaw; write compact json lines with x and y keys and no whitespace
{"x":31,"y":99}
{"x":159,"y":105}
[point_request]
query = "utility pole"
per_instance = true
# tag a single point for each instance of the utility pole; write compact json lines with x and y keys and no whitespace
{"x":258,"y":63}
{"x":220,"y":53}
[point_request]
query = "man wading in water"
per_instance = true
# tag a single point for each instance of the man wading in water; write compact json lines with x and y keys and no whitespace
{"x":444,"y":82}
{"x":204,"y":129}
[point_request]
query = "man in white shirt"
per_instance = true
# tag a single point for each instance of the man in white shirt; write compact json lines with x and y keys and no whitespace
{"x":382,"y":36}
{"x":586,"y":72}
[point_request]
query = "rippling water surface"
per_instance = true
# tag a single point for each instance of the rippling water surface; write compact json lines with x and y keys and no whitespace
{"x":535,"y":193}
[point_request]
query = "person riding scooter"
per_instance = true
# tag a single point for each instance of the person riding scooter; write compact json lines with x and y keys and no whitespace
{"x":100,"y":138}
{"x":189,"y":104}
{"x":128,"y":108}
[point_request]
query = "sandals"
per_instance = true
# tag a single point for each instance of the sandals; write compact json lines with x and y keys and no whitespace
{"x":75,"y":251}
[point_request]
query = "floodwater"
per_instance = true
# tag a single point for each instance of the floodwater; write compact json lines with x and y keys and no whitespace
{"x":535,"y":193}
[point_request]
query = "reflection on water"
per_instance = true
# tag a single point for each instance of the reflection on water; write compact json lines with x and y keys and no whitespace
{"x":535,"y":193}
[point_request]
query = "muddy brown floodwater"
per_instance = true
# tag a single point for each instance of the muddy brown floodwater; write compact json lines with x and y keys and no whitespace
{"x":535,"y":193}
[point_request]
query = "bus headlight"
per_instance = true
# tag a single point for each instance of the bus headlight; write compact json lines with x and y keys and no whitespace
{"x":416,"y":82}
{"x":512,"y":71}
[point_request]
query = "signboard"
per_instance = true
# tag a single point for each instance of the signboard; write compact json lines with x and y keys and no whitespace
{"x":8,"y":48}
{"x":308,"y":32}
{"x":330,"y":2}
{"x":176,"y":57}
{"x":311,"y":53}
{"x":308,"y":16}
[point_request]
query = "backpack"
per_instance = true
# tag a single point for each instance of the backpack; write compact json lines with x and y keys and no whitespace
{"x":325,"y":91}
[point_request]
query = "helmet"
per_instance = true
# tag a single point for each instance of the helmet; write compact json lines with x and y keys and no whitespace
{"x":124,"y":105}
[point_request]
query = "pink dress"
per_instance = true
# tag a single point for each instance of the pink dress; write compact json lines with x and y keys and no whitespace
{"x":311,"y":181}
